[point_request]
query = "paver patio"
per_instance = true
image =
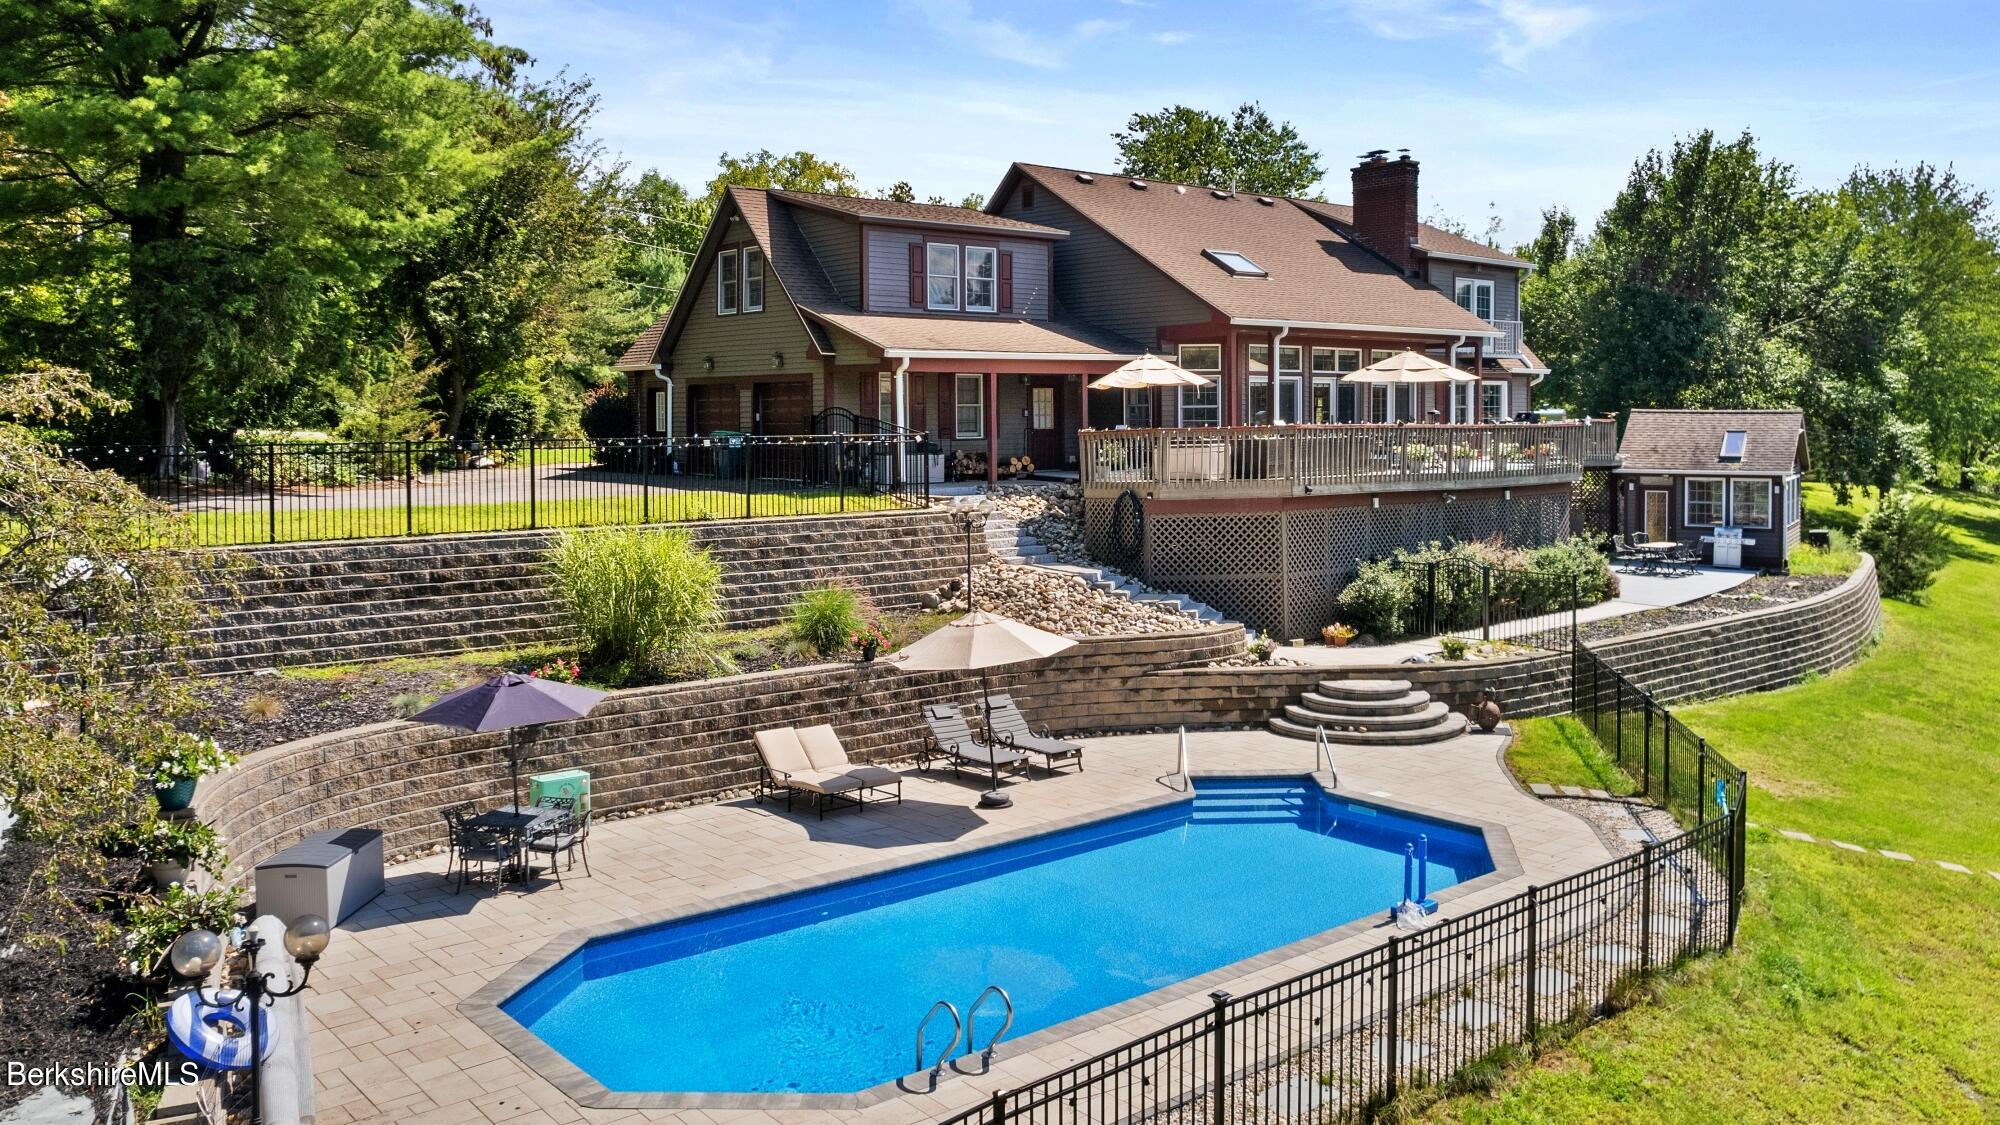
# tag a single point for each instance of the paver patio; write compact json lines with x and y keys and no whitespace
{"x":390,"y":1043}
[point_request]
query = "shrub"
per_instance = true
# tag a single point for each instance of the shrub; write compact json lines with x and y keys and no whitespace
{"x":644,"y":597}
{"x":1580,"y":557}
{"x":607,"y":414}
{"x":1454,"y":648}
{"x":1378,"y":600}
{"x":1837,"y":558}
{"x":1909,"y":542}
{"x":152,"y":924}
{"x":824,"y":620}
{"x":187,"y":842}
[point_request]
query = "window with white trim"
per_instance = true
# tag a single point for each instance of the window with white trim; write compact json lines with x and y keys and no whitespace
{"x":1379,"y":410}
{"x":659,"y":412}
{"x":1377,"y":355}
{"x":982,"y":278}
{"x":968,"y":406}
{"x":1493,"y":400}
{"x":1476,"y":297}
{"x":1138,"y":407}
{"x":885,"y":396}
{"x":941,"y":275}
{"x":1793,"y":514}
{"x":753,"y":279}
{"x":1201,"y":406}
{"x":727,"y":265}
{"x":1701,"y":504}
{"x":1750,"y":503}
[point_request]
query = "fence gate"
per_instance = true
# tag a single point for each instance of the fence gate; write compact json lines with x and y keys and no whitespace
{"x":1512,"y":605}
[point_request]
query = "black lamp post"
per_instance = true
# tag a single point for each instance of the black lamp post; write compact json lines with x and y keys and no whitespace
{"x":971,"y":517}
{"x":195,"y":953}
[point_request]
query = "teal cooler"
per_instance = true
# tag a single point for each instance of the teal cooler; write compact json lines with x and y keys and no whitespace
{"x":561,"y":783}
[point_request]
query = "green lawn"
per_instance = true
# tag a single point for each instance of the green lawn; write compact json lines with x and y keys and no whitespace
{"x":335,"y":522}
{"x":1862,"y":989}
{"x":1562,"y":752}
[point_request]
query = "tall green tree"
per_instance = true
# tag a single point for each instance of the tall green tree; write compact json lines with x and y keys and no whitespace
{"x":792,"y":171}
{"x":230,"y":162}
{"x":1246,"y":151}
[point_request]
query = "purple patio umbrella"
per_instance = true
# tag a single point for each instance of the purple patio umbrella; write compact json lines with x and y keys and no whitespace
{"x":509,"y":702}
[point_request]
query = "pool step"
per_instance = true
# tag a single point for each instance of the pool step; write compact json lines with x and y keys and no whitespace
{"x":1369,"y":713}
{"x":1285,"y":804}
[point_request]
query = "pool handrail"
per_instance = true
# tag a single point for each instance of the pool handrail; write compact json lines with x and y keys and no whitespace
{"x":972,"y":1014}
{"x":957,"y":1036}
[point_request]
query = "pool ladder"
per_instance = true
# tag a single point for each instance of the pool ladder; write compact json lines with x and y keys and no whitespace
{"x":962,"y":1030}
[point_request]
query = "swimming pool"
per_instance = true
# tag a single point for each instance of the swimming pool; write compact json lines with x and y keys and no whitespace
{"x":820,"y":991}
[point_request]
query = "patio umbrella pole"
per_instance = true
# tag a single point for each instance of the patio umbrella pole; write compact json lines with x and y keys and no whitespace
{"x":993,"y":798}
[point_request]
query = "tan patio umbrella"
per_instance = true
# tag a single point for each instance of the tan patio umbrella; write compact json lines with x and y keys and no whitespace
{"x":1409,"y":367}
{"x":976,"y":642}
{"x":1150,"y":370}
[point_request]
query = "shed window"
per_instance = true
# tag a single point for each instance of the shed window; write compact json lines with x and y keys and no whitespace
{"x":1750,"y":503}
{"x":1732,"y":445}
{"x":1704,"y":501}
{"x":969,"y":406}
{"x":1236,"y":262}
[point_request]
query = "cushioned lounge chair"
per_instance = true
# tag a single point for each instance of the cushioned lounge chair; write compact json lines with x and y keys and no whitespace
{"x":827,"y":755}
{"x":1009,"y":727}
{"x":788,"y":768}
{"x":951,"y":737}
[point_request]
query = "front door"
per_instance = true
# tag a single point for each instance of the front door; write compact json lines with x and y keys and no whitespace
{"x":1656,"y":515}
{"x":1045,"y":419}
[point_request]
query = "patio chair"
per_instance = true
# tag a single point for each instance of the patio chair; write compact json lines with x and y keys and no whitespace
{"x":788,"y":768}
{"x":560,"y":840}
{"x":455,"y":817}
{"x":1006,"y":725}
{"x":951,"y":737}
{"x":493,"y":847}
{"x":824,"y":751}
{"x":1687,"y":555}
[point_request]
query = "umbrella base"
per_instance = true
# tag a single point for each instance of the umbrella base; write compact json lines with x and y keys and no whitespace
{"x":995,"y":799}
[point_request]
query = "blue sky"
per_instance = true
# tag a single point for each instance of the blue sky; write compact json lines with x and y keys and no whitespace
{"x":1516,"y":104}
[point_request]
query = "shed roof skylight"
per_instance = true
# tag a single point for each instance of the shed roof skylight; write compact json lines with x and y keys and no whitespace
{"x":1732,"y":444}
{"x":1236,"y":262}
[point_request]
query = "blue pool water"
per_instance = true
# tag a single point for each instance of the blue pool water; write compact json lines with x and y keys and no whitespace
{"x":820,"y":991}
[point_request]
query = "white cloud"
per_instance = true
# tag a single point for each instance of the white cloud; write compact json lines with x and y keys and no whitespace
{"x":997,"y":38}
{"x":1513,"y":31}
{"x":1173,"y":38}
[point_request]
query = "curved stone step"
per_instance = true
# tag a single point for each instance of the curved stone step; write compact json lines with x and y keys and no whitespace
{"x":1404,"y":704}
{"x":1453,"y":726}
{"x":1431,"y":714}
{"x":1364,"y":689}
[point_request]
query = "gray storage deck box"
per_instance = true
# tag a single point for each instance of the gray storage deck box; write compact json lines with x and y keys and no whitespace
{"x":331,"y":874}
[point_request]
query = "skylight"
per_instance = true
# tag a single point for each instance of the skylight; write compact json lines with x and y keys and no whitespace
{"x":1237,"y":263}
{"x":1732,"y":445}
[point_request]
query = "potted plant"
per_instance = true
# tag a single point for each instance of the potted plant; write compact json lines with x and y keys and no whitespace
{"x":181,"y":764}
{"x":870,"y":641}
{"x":1338,"y":634}
{"x":170,"y":848}
{"x":1261,"y":649}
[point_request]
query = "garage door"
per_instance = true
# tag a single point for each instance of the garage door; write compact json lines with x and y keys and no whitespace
{"x":784,"y":408}
{"x":712,"y":407}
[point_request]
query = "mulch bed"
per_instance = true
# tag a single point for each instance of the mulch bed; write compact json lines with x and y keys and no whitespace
{"x":1760,"y":592}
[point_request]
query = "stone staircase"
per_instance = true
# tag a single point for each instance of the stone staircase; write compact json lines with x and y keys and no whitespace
{"x":1369,"y":713}
{"x":1007,"y":542}
{"x":346,"y":602}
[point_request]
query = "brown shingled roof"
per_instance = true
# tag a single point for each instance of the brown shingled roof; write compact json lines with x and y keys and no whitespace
{"x":1317,"y":275}
{"x":639,"y":357}
{"x":922,"y":214}
{"x":1430,"y":239}
{"x":1684,"y":441}
{"x":963,"y":335}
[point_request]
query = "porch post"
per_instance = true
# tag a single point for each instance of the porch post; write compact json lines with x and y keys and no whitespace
{"x":1229,"y":389}
{"x":899,"y":451}
{"x":992,"y":430}
{"x":1479,"y":372}
{"x":1271,"y":376}
{"x":1082,"y":407}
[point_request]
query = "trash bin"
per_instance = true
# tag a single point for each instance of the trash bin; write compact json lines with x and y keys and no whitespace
{"x":331,"y":874}
{"x":728,"y":453}
{"x":561,"y":783}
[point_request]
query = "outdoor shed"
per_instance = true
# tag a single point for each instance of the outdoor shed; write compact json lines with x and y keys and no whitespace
{"x":1727,"y":479}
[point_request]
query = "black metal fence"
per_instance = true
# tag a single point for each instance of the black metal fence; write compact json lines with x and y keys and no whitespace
{"x":1475,"y":602}
{"x":1675,"y":767}
{"x":283,"y":492}
{"x":1338,"y":1043}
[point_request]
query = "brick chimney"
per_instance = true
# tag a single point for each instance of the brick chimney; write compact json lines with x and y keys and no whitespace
{"x":1385,"y":207}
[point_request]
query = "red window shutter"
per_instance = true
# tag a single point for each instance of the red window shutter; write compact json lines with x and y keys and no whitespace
{"x":916,"y":391}
{"x":1006,"y":281}
{"x":947,"y":406}
{"x":916,"y":275}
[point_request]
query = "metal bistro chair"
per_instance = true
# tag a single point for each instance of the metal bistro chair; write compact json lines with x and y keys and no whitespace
{"x":559,"y":840}
{"x":455,"y":817}
{"x":493,"y":847}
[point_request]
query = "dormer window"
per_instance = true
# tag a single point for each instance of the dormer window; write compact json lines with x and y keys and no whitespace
{"x":1236,"y":262}
{"x":1476,"y":297}
{"x":1733,"y":442}
{"x":982,"y":276}
{"x":727,"y":299}
{"x":941,"y":273}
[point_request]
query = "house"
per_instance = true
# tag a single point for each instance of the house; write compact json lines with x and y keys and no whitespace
{"x":983,"y":328}
{"x":1715,"y":475}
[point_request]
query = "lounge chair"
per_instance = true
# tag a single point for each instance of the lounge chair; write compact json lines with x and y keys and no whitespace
{"x":824,"y":751}
{"x":951,"y":737}
{"x":787,"y":768}
{"x":1008,"y":727}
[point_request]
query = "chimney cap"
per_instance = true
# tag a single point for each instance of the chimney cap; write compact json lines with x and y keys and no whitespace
{"x":1375,"y":154}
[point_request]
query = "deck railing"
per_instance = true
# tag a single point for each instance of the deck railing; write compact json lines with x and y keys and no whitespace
{"x":1600,"y":442}
{"x":1508,"y":343}
{"x":1303,"y":460}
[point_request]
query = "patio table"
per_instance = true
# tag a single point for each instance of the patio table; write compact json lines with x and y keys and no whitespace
{"x":519,"y":821}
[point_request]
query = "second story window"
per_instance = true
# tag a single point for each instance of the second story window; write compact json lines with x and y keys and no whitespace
{"x":982,"y":277}
{"x":753,"y":279}
{"x":1476,"y":297}
{"x":941,"y":274}
{"x":727,"y":299}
